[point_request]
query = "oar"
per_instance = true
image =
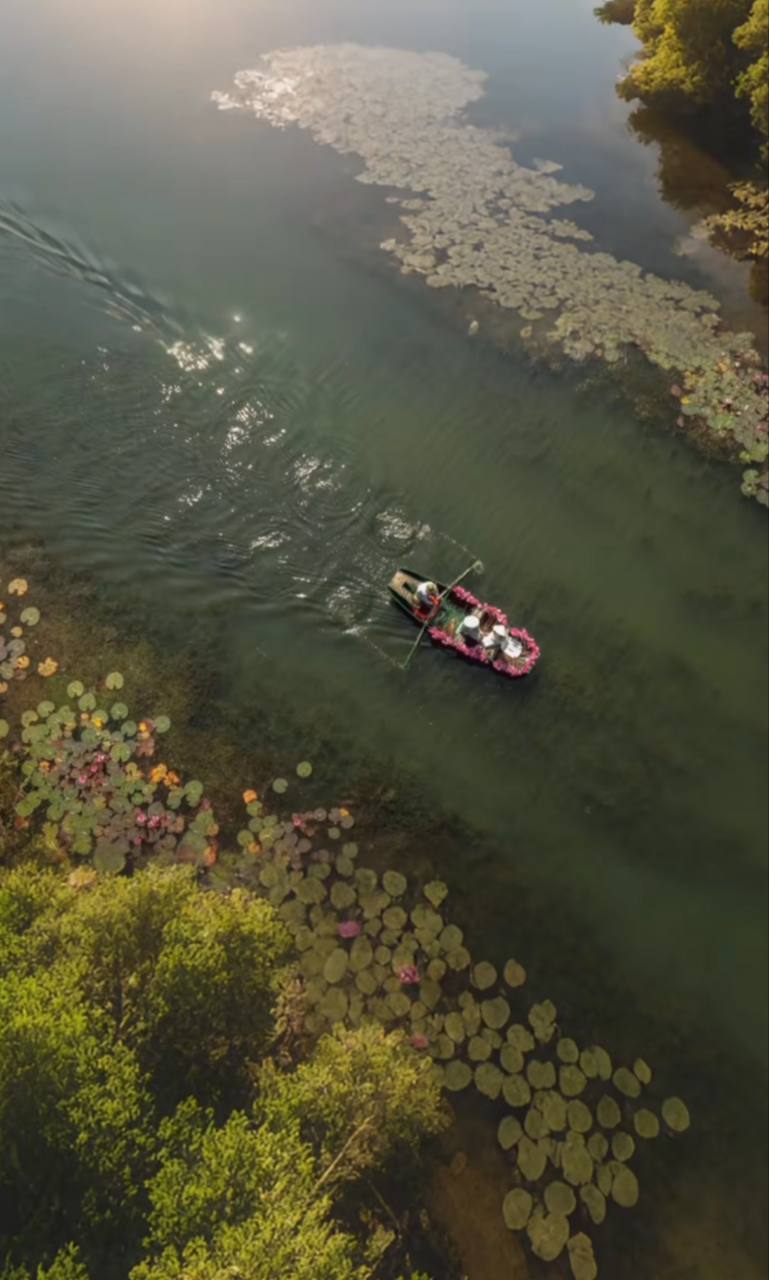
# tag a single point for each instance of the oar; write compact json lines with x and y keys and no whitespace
{"x":475,"y":565}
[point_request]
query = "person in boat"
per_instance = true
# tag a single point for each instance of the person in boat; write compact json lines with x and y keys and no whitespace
{"x":427,"y":596}
{"x":469,"y":630}
{"x":495,"y":641}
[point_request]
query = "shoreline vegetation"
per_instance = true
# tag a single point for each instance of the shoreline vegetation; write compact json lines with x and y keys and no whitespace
{"x":194,"y":1002}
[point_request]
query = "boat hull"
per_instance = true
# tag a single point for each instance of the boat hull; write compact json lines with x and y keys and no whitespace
{"x":443,"y":624}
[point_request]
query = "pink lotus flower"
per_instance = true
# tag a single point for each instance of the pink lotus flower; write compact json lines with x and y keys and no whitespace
{"x":141,"y":818}
{"x":409,"y":976}
{"x":348,"y":929}
{"x":419,"y":1042}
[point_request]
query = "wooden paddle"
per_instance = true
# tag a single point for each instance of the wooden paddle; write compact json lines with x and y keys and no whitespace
{"x":475,"y":565}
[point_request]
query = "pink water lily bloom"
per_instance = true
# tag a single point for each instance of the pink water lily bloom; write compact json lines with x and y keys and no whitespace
{"x":348,"y":929}
{"x":409,"y":976}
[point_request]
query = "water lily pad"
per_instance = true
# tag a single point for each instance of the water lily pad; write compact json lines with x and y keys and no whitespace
{"x":594,"y":1201}
{"x":603,"y":1178}
{"x":567,"y":1050}
{"x":626,"y":1083}
{"x":598,"y":1146}
{"x":303,"y":769}
{"x":511,"y":1058}
{"x":30,"y":616}
{"x":520,"y":1037}
{"x":334,"y":1005}
{"x":451,"y":937}
{"x":581,"y":1257}
{"x":560,"y":1198}
{"x":118,"y":711}
{"x":535,"y":1124}
{"x":483,"y":975}
{"x":342,"y":895}
{"x":646,"y":1123}
{"x":5,"y":728}
{"x":162,"y":724}
{"x":435,"y":892}
{"x":366,"y":879}
{"x":495,"y":1013}
{"x":516,"y":1091}
{"x":109,"y":859}
{"x":509,"y":1132}
{"x":542,"y":1020}
{"x":540,"y":1075}
{"x":622,"y":1146}
{"x":642,"y":1071}
{"x":394,"y":917}
{"x":400,"y":1003}
{"x":576,"y":1160}
{"x":279,"y":786}
{"x":596,"y":1063}
{"x":579,"y":1116}
{"x":455,"y":1027}
{"x":366,"y":982}
{"x":394,"y":883}
{"x":514,"y":973}
{"x":436,"y":970}
{"x":516,"y":1208}
{"x":478,"y":1049}
{"x":624,"y":1186}
{"x":675,"y":1113}
{"x":488,"y":1079}
{"x":457,"y":1075}
{"x":553,"y":1108}
{"x":335,"y":967}
{"x":571,"y":1080}
{"x":532,"y":1160}
{"x":114,"y":680}
{"x":548,"y":1233}
{"x":310,"y":890}
{"x":608,"y":1113}
{"x":458,"y":958}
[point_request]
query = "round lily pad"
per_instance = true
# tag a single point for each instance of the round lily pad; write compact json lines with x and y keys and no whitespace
{"x":457,"y":1075}
{"x":516,"y":1208}
{"x":598,"y":1146}
{"x":455,"y":1027}
{"x":626,"y":1083}
{"x":495,"y":1013}
{"x":394,"y":918}
{"x":335,"y":967}
{"x":535,"y":1124}
{"x":435,"y":892}
{"x":520,"y":1037}
{"x":458,"y":958}
{"x":509,"y":1132}
{"x":75,"y":689}
{"x":567,"y":1050}
{"x":109,"y":859}
{"x":30,"y":616}
{"x":488,"y":1079}
{"x":334,"y":1004}
{"x":511,"y":1058}
{"x":483,"y":975}
{"x":594,"y":1201}
{"x":516,"y":1091}
{"x":342,"y":895}
{"x":579,"y":1116}
{"x":451,"y":937}
{"x":531,"y":1159}
{"x":622,"y":1145}
{"x":675,"y":1113}
{"x":5,"y":728}
{"x":608,"y":1113}
{"x":548,"y":1233}
{"x":559,"y":1198}
{"x":576,"y":1160}
{"x":394,"y":883}
{"x":553,"y":1108}
{"x":581,"y":1257}
{"x":571,"y":1080}
{"x":596,"y":1063}
{"x":303,"y":769}
{"x":646,"y":1123}
{"x":478,"y":1049}
{"x":642,"y":1071}
{"x":624,"y":1186}
{"x":114,"y":680}
{"x":514,"y":973}
{"x":603,"y":1177}
{"x":540,"y":1075}
{"x":542,"y":1020}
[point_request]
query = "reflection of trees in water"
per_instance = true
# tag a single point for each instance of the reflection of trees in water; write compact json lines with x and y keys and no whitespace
{"x":692,"y":179}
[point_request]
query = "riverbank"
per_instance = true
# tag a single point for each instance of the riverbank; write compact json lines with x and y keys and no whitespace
{"x":669,"y":1208}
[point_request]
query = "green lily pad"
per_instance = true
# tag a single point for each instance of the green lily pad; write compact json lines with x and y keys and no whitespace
{"x":642,"y":1071}
{"x":509,"y":1132}
{"x":75,"y":689}
{"x":478,"y":1049}
{"x":579,"y":1116}
{"x":342,"y":895}
{"x":483,"y":975}
{"x":594,"y":1201}
{"x":516,"y":1091}
{"x":455,"y":1027}
{"x":560,"y":1198}
{"x":394,"y":883}
{"x":488,"y":1079}
{"x":435,"y":892}
{"x":553,"y":1108}
{"x":675,"y":1113}
{"x":567,"y":1050}
{"x":576,"y":1160}
{"x":624,"y":1186}
{"x":303,"y":769}
{"x":520,"y":1037}
{"x":542,"y":1020}
{"x":572,"y":1081}
{"x":626,"y":1083}
{"x":5,"y":728}
{"x":279,"y":786}
{"x":511,"y":1058}
{"x":540,"y":1075}
{"x":109,"y":859}
{"x":646,"y":1123}
{"x":581,"y":1257}
{"x":451,"y":937}
{"x":598,"y":1146}
{"x":118,"y":711}
{"x":514,"y":974}
{"x":458,"y":958}
{"x":457,"y":1075}
{"x":622,"y":1146}
{"x":516,"y":1208}
{"x":608,"y":1113}
{"x":596,"y":1063}
{"x":535,"y":1124}
{"x":162,"y":724}
{"x":548,"y":1234}
{"x":114,"y":680}
{"x":30,"y":616}
{"x":532,"y":1159}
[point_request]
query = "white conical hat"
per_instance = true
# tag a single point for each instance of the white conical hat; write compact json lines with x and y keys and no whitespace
{"x":471,"y":623}
{"x":500,"y":632}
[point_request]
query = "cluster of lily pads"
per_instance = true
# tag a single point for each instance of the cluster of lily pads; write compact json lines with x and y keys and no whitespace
{"x":476,"y":218}
{"x":16,"y":618}
{"x":369,"y":946}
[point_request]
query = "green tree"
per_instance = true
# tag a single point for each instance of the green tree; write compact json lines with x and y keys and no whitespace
{"x":753,"y":83}
{"x":65,"y":1266}
{"x":689,"y":49}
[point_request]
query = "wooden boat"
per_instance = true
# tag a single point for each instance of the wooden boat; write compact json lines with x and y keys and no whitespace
{"x":522,"y":652}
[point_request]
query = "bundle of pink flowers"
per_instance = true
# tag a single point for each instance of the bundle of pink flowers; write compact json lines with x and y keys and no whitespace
{"x":517,"y":667}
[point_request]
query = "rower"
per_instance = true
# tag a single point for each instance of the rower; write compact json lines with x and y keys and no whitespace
{"x":469,"y":629}
{"x":495,"y":640}
{"x":427,"y":595}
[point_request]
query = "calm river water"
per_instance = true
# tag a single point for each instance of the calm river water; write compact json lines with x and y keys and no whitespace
{"x":216,"y":395}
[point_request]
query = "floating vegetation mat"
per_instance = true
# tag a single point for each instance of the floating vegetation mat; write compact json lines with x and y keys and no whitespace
{"x":369,"y":946}
{"x":475,"y":218}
